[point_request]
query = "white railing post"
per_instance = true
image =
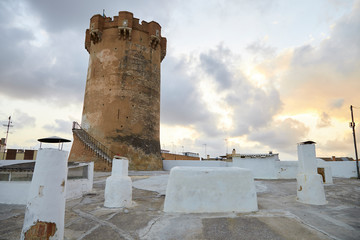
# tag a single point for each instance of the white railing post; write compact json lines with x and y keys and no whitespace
{"x":118,"y":188}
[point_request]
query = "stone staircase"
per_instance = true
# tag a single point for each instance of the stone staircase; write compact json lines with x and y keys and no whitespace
{"x":91,"y":143}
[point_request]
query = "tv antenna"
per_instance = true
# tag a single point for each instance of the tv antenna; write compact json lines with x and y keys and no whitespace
{"x":227,"y":146}
{"x":205,"y":150}
{"x":8,"y":126}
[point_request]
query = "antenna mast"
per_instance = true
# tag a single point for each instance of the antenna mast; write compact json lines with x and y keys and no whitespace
{"x":8,"y":126}
{"x":227,"y":146}
{"x":352,"y":125}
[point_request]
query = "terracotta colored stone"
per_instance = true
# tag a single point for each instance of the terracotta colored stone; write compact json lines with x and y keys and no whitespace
{"x":41,"y":231}
{"x":80,"y":153}
{"x":122,"y":96}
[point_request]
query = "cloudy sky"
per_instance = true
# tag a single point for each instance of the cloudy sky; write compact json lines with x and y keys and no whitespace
{"x":255,"y":75}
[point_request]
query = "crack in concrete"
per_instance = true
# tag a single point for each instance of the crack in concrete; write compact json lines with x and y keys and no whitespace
{"x":332,"y":220}
{"x":315,"y":228}
{"x":282,"y":213}
{"x":88,"y":232}
{"x":151,"y":223}
{"x":104,"y":223}
{"x":111,"y":216}
{"x":72,"y":221}
{"x":290,"y":214}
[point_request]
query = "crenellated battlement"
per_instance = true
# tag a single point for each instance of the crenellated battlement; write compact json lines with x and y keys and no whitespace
{"x":126,"y":25}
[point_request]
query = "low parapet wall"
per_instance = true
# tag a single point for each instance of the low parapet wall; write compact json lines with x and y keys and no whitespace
{"x":16,"y":192}
{"x":77,"y":187}
{"x":343,"y":169}
{"x":169,"y":164}
{"x":262,"y":168}
{"x":172,"y":156}
{"x":340,"y":169}
{"x":286,"y":169}
{"x":268,"y":168}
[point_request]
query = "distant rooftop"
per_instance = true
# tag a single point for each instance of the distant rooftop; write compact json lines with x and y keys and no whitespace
{"x":336,"y":159}
{"x":19,"y":167}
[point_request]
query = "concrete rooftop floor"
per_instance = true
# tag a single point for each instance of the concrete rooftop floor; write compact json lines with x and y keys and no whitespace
{"x":280,"y":216}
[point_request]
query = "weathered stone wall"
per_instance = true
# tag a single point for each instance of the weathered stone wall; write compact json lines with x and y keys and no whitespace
{"x":171,"y":156}
{"x":80,"y":153}
{"x":122,"y":96}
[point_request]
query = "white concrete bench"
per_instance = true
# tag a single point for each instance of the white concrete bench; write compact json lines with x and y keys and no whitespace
{"x":210,"y":189}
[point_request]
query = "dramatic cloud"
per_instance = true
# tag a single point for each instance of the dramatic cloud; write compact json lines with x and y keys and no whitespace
{"x":207,"y":89}
{"x":19,"y":120}
{"x":317,"y":73}
{"x":337,"y":103}
{"x":36,"y":64}
{"x":60,"y":126}
{"x":42,"y":46}
{"x":22,"y":120}
{"x":340,"y":147}
{"x":252,"y":106}
{"x":59,"y":16}
{"x":180,"y":101}
{"x":215,"y":64}
{"x":260,"y":47}
{"x":282,"y":135}
{"x":320,"y":79}
{"x":324,"y":120}
{"x":210,"y":94}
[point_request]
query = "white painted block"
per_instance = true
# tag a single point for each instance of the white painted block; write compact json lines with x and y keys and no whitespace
{"x":118,"y":188}
{"x":327,"y":169}
{"x":120,"y":166}
{"x":210,"y":189}
{"x":46,"y":200}
{"x":262,"y":168}
{"x":328,"y":175}
{"x":310,"y":189}
{"x":118,"y":192}
{"x":307,"y":158}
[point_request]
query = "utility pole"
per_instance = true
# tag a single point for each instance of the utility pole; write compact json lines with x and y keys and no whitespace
{"x":8,"y":126}
{"x":352,"y":125}
{"x":226,"y":141}
{"x":173,"y":148}
{"x":205,"y":150}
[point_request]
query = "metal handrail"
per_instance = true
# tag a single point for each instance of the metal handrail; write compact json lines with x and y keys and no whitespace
{"x":94,"y":141}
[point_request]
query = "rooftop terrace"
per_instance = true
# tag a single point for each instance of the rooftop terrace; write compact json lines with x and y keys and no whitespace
{"x":280,"y":216}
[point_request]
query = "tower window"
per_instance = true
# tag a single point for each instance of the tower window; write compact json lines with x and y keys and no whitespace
{"x":125,"y":23}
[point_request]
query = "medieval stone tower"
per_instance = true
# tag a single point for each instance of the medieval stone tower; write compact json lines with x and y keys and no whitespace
{"x":122,"y":96}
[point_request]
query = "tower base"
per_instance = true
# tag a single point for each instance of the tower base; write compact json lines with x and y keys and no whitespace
{"x":81,"y":153}
{"x":138,"y":160}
